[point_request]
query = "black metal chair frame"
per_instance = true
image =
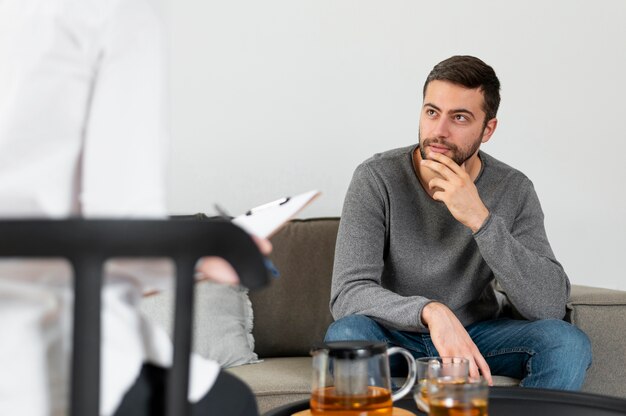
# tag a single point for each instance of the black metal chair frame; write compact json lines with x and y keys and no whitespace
{"x":87,"y":244}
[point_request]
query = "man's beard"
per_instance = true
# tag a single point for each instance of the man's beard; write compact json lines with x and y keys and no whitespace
{"x":459,"y":156}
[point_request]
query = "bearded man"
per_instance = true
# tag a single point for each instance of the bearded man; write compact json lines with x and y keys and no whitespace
{"x":427,"y":230}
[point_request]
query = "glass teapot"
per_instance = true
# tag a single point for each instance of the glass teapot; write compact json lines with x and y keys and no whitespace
{"x":353,"y":377}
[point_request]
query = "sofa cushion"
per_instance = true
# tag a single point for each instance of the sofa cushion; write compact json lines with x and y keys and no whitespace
{"x":292,"y":314}
{"x":277,"y":381}
{"x":600,"y":314}
{"x":222,"y":322}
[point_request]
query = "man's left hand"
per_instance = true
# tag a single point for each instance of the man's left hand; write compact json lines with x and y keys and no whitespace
{"x":454,"y":187}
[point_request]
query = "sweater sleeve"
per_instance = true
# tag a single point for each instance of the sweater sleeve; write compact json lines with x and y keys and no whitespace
{"x":359,"y":260}
{"x":522,"y":260}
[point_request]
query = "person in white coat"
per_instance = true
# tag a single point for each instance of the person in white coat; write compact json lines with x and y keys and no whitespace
{"x":83,"y":134}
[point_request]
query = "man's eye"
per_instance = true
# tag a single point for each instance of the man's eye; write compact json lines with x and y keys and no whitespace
{"x":430,"y":112}
{"x":460,"y":117}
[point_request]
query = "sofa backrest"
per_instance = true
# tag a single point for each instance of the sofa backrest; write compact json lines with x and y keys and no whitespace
{"x":292,"y":314}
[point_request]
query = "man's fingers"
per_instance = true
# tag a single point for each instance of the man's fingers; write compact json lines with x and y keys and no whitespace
{"x":438,"y":168}
{"x":473,"y":370}
{"x":438,"y":183}
{"x":477,"y":367}
{"x":451,"y":339}
{"x":484,"y":369}
{"x":445,"y":168}
{"x":445,"y":160}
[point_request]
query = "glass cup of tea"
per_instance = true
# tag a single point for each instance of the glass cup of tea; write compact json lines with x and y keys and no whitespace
{"x":452,"y":369}
{"x":447,"y":398}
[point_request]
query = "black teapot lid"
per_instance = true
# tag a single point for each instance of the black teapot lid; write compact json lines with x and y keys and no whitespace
{"x":353,"y":349}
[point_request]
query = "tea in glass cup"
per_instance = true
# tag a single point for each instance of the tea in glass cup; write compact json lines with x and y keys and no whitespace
{"x":457,"y":399}
{"x":455,"y":368}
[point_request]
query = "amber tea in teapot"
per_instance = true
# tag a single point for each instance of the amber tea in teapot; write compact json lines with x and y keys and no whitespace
{"x":352,"y":378}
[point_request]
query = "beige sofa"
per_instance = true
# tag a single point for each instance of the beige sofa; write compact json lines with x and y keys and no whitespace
{"x":292,"y":314}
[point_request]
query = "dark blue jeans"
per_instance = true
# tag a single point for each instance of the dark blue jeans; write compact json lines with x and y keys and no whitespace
{"x":549,"y":353}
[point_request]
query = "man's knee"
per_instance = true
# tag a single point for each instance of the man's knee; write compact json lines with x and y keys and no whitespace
{"x":354,"y":327}
{"x":562,"y":355}
{"x":566,"y":339}
{"x":577,"y":343}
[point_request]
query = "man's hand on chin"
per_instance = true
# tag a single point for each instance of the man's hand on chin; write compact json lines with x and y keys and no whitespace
{"x":454,"y":187}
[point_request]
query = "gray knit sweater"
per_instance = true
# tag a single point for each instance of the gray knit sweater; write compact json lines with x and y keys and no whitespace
{"x":398,"y":249}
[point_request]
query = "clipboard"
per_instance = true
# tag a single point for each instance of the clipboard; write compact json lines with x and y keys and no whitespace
{"x":264,"y":220}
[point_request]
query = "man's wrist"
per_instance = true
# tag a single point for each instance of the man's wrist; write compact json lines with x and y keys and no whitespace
{"x":427,"y":312}
{"x":478,"y":222}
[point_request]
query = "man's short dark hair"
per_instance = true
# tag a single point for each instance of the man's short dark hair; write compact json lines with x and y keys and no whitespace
{"x":470,"y":72}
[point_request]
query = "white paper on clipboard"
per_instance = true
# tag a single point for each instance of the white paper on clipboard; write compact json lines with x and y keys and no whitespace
{"x":266,"y":219}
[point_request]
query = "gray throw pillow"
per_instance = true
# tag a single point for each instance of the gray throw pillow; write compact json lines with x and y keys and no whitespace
{"x":222,"y":326}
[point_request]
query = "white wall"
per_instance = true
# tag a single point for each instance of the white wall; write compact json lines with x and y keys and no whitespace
{"x":275,"y":97}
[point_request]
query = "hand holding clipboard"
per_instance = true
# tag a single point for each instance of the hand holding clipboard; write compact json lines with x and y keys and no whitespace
{"x":261,"y":223}
{"x":265,"y":220}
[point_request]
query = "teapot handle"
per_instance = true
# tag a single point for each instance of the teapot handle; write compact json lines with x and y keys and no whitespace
{"x":410,"y":379}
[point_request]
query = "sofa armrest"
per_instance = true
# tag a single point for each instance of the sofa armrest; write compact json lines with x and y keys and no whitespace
{"x":601,"y":314}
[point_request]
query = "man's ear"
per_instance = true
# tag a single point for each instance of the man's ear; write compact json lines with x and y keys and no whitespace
{"x":489,"y":129}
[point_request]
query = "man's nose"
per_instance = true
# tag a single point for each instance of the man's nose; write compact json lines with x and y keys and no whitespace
{"x":440,"y":127}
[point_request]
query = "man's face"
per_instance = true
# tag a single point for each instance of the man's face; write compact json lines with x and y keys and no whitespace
{"x":452,"y":121}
